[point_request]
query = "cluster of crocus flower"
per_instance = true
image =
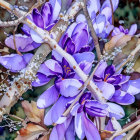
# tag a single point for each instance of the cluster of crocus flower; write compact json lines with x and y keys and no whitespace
{"x":116,"y":88}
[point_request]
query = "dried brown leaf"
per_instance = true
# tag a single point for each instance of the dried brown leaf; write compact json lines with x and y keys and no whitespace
{"x":137,"y":65}
{"x":32,"y":112}
{"x":116,"y":41}
{"x":31,"y":132}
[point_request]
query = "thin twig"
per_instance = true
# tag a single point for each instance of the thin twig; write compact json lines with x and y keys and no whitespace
{"x":93,"y":33}
{"x":18,"y":52}
{"x":83,"y":87}
{"x":130,"y":57}
{"x":20,"y":19}
{"x":112,"y":12}
{"x":125,"y":129}
{"x":132,"y":133}
{"x":16,"y":117}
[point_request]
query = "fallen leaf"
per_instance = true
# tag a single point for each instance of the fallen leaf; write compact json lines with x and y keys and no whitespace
{"x":106,"y":134}
{"x":137,"y":65}
{"x":31,"y":132}
{"x":32,"y":112}
{"x":126,"y":50}
{"x":117,"y":41}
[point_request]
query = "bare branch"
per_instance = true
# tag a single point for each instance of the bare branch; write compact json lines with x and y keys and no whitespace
{"x":125,"y":129}
{"x":93,"y":33}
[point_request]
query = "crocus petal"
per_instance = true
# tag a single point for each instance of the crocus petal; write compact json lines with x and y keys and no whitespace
{"x":132,"y":86}
{"x":56,"y":4}
{"x":93,"y":6}
{"x":48,"y":97}
{"x":70,"y":132}
{"x":115,"y":79}
{"x":80,"y":18}
{"x":115,"y":111}
{"x":122,"y":98}
{"x":55,"y":113}
{"x":59,"y":107}
{"x":80,"y":36}
{"x":56,"y":56}
{"x":26,"y":29}
{"x":107,"y":89}
{"x":36,"y":37}
{"x":99,"y":23}
{"x":23,"y":43}
{"x":46,"y":12}
{"x":15,"y":62}
{"x":100,"y":70}
{"x":41,"y":80}
{"x":48,"y":118}
{"x":90,"y":129}
{"x":69,"y":46}
{"x":107,"y":4}
{"x":79,"y":128}
{"x":110,"y":70}
{"x":85,"y":49}
{"x":59,"y":130}
{"x":84,"y":97}
{"x":74,"y":109}
{"x":50,"y":68}
{"x":71,"y":29}
{"x":37,"y":18}
{"x":133,"y":29}
{"x":107,"y":12}
{"x":94,"y":108}
{"x":68,"y":87}
{"x":87,"y":56}
{"x":85,"y":66}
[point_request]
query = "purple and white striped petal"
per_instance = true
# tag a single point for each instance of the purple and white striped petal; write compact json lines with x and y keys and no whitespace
{"x":68,"y":87}
{"x":59,"y":130}
{"x":56,"y":4}
{"x":50,"y":68}
{"x":95,"y":108}
{"x":41,"y":80}
{"x":79,"y":126}
{"x":90,"y":129}
{"x":85,"y":56}
{"x":132,"y":86}
{"x":101,"y":69}
{"x":48,"y":97}
{"x":37,"y":18}
{"x":23,"y":43}
{"x":93,"y":6}
{"x":108,"y":4}
{"x":46,"y":12}
{"x":107,"y":89}
{"x":115,"y":111}
{"x":55,"y":113}
{"x":15,"y":62}
{"x":122,"y":98}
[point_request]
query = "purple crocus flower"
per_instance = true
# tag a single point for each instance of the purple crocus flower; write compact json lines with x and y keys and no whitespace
{"x":67,"y":82}
{"x":78,"y":122}
{"x":44,"y":19}
{"x":83,"y":125}
{"x":123,"y":31}
{"x":112,"y":84}
{"x":102,"y":22}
